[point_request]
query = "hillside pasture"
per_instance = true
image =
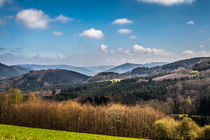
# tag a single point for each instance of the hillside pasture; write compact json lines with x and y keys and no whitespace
{"x":23,"y":133}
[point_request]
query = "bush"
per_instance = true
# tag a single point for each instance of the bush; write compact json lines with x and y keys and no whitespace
{"x":166,"y":128}
{"x":205,"y":134}
{"x":188,"y":129}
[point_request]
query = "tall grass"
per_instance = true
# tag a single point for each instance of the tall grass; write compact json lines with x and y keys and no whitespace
{"x":113,"y":119}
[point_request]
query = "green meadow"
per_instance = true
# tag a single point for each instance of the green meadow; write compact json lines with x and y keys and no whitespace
{"x":10,"y":132}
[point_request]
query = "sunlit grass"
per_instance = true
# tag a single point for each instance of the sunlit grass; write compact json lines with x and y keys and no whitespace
{"x":115,"y":80}
{"x":10,"y":132}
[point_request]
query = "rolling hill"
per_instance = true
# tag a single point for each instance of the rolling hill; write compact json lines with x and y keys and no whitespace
{"x":9,"y":71}
{"x":187,"y":64}
{"x":82,"y":70}
{"x":124,"y":68}
{"x":130,"y":66}
{"x":103,"y":76}
{"x":43,"y":78}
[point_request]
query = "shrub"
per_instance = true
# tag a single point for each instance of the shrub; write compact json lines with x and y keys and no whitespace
{"x":188,"y":129}
{"x":205,"y":134}
{"x":166,"y":128}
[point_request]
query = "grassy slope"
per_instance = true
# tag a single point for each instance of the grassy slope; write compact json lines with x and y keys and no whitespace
{"x":25,"y":133}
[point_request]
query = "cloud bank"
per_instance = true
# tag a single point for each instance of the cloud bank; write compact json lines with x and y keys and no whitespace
{"x":168,"y":2}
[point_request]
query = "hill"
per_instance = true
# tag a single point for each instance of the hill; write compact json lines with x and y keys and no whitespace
{"x":9,"y":71}
{"x":103,"y":76}
{"x":130,"y":66}
{"x":98,"y":69}
{"x":187,"y":64}
{"x":18,"y":132}
{"x":154,"y":64}
{"x":82,"y":70}
{"x":43,"y":78}
{"x":124,"y":68}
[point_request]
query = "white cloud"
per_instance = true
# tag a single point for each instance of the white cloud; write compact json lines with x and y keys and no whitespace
{"x":104,"y":48}
{"x":132,"y":37}
{"x":92,"y":33}
{"x":124,"y":51}
{"x":55,"y":33}
{"x":141,"y":49}
{"x":37,"y":19}
{"x":202,"y":46}
{"x":191,"y":22}
{"x":122,"y":21}
{"x":136,"y":49}
{"x":188,"y":52}
{"x":168,"y":2}
{"x":60,"y":55}
{"x":62,"y":18}
{"x":124,"y":31}
{"x":33,"y":19}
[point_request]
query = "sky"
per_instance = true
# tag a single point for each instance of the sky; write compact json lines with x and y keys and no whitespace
{"x":103,"y":32}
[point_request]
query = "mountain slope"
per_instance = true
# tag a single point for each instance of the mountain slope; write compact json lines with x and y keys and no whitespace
{"x":130,"y":66}
{"x":98,"y":69}
{"x":82,"y":70}
{"x":9,"y":71}
{"x":43,"y":78}
{"x":187,"y":64}
{"x":103,"y":76}
{"x":124,"y":68}
{"x":154,"y":64}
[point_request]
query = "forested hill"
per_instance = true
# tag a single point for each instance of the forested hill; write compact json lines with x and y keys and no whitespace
{"x":187,"y":64}
{"x":9,"y":71}
{"x":124,"y":68}
{"x":130,"y":66}
{"x":103,"y":76}
{"x":43,"y":78}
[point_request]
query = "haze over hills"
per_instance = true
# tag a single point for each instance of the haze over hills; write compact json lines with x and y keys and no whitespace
{"x":82,"y":70}
{"x":130,"y":66}
{"x":98,"y":69}
{"x":44,"y":78}
{"x":87,"y":70}
{"x":16,"y":70}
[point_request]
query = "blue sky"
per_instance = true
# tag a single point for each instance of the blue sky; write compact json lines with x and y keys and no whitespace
{"x":103,"y":32}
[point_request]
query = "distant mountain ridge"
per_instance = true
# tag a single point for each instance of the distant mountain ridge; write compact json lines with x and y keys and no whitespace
{"x":130,"y":66}
{"x":87,"y":70}
{"x":82,"y":70}
{"x":44,"y":78}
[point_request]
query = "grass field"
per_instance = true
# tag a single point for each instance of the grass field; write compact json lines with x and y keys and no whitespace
{"x":115,"y":80}
{"x":10,"y":132}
